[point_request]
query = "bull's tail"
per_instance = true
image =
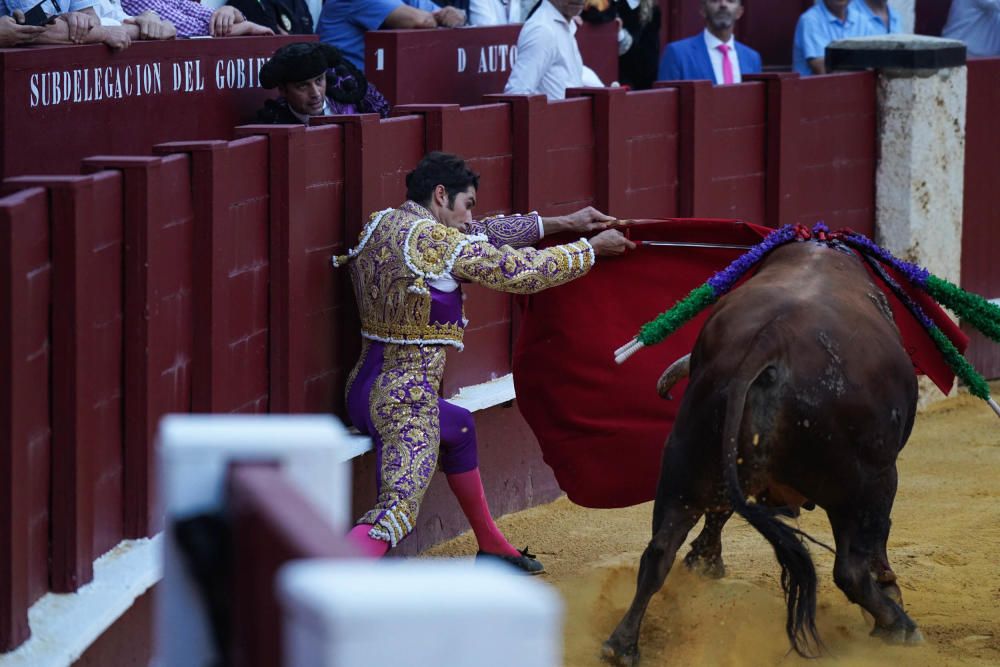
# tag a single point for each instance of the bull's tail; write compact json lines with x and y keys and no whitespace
{"x":798,"y":576}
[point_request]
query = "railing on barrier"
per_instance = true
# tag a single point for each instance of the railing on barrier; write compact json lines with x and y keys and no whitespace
{"x":198,"y":279}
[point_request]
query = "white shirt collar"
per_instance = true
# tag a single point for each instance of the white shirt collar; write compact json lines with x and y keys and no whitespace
{"x":327,"y":111}
{"x":712,"y":42}
{"x":557,"y":16}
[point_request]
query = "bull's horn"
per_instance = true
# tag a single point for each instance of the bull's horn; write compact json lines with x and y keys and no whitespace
{"x":674,"y":373}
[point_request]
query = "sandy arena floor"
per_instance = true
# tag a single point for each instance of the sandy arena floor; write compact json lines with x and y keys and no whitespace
{"x":944,"y":546}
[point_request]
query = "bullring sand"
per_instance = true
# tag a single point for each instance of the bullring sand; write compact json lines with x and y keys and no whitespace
{"x":944,"y":547}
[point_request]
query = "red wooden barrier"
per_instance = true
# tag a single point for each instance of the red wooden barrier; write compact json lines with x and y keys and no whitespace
{"x":835,"y":147}
{"x":722,"y":150}
{"x":272,"y":524}
{"x":86,"y":513}
{"x":55,"y":98}
{"x":482,"y":135}
{"x":25,"y":294}
{"x":636,"y":151}
{"x":158,"y":222}
{"x":460,"y":66}
{"x":980,"y":246}
{"x":307,"y":296}
{"x":231,"y":252}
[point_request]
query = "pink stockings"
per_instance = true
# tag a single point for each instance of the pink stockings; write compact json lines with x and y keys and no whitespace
{"x":468,"y":489}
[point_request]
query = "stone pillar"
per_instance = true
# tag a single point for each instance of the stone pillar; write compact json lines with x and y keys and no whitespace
{"x":921,"y":143}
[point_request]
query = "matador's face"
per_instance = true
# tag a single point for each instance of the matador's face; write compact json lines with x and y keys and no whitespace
{"x":455,"y":213}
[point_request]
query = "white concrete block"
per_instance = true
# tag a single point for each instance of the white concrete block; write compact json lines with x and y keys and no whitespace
{"x":194,"y":453}
{"x":417,"y":613}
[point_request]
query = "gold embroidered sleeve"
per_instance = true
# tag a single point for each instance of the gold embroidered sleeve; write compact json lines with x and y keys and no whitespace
{"x":523,"y":271}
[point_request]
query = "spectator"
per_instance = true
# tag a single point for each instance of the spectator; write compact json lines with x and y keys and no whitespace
{"x":78,"y":23}
{"x":825,"y":22}
{"x":343,"y":23}
{"x":145,"y":26}
{"x":638,"y":37}
{"x":494,"y":12}
{"x":977,"y":23}
{"x":713,"y":54}
{"x":548,"y":59}
{"x":284,"y":17}
{"x":193,"y":19}
{"x":877,"y":17}
{"x":13,"y":31}
{"x":315,"y":80}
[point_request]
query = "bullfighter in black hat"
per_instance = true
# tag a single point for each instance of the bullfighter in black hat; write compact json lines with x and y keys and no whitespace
{"x":315,"y":80}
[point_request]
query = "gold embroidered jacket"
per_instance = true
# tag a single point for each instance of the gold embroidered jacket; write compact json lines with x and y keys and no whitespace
{"x":401,"y":249}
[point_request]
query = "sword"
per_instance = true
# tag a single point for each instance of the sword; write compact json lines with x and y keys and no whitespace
{"x":672,"y":244}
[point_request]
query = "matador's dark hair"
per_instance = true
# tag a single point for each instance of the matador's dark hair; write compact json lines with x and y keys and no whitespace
{"x":436,"y":169}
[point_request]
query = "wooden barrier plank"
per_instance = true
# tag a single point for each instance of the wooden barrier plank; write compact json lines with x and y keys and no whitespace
{"x":157,"y":317}
{"x":461,"y":66}
{"x":230,"y":194}
{"x":651,"y":158}
{"x":981,"y":217}
{"x":86,"y":371}
{"x":695,"y":128}
{"x":836,"y":151}
{"x":25,"y":293}
{"x":736,"y":153}
{"x":288,"y":182}
{"x":272,"y":524}
{"x":782,"y":108}
{"x":155,"y":91}
{"x":610,"y":145}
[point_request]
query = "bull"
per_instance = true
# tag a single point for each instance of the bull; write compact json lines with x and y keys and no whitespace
{"x":800,"y":392}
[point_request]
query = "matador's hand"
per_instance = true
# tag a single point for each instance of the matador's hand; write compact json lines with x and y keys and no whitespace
{"x":611,"y":242}
{"x":587,"y":220}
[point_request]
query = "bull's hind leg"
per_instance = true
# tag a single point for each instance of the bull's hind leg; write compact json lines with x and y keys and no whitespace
{"x":672,"y":525}
{"x":705,"y":556}
{"x":861,"y":532}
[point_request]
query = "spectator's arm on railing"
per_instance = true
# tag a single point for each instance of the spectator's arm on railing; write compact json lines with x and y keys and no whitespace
{"x":151,"y":26}
{"x":84,"y":27}
{"x":405,"y":17}
{"x":12,"y":32}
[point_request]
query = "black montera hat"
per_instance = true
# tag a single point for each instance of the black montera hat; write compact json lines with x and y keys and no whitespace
{"x":298,"y":62}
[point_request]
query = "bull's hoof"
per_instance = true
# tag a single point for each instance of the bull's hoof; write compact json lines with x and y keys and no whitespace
{"x":711,"y":568}
{"x":900,"y":634}
{"x":612,"y":652}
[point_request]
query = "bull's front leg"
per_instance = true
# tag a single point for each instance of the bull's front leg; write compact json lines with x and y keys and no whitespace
{"x":622,"y":648}
{"x":705,"y":556}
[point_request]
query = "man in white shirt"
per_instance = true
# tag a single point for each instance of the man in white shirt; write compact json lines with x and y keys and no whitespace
{"x":548,"y":59}
{"x":977,"y":23}
{"x":494,"y":12}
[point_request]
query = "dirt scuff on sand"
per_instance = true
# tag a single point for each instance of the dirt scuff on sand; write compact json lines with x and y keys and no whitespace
{"x":944,"y":547}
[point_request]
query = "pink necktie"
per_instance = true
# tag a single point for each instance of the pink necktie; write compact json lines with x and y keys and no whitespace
{"x":727,"y":64}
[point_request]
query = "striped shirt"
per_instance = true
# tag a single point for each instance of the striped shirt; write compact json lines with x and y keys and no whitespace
{"x":190,"y":18}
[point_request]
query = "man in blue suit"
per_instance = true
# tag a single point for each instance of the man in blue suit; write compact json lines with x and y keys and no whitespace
{"x":712,"y":54}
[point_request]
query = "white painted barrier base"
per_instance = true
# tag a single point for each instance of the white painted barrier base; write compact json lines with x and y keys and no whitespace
{"x":417,"y":613}
{"x":64,"y":625}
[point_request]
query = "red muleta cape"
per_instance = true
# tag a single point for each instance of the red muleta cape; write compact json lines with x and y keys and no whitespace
{"x":601,"y":426}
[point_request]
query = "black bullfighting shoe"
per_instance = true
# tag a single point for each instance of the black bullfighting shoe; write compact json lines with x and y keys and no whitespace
{"x":526,"y":562}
